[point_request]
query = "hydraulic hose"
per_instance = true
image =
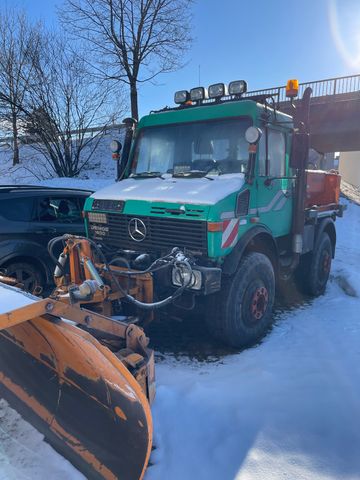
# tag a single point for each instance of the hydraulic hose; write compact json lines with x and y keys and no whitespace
{"x":175,"y":258}
{"x":131,"y":299}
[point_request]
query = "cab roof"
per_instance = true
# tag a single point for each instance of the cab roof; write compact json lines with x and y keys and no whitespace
{"x":211,"y":111}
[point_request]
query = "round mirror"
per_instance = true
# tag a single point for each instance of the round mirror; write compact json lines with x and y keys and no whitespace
{"x":115,"y":146}
{"x":253,"y":134}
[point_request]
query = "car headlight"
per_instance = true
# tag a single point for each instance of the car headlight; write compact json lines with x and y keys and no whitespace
{"x":182,"y":276}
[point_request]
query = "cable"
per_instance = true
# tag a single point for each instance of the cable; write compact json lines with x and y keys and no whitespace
{"x":175,"y":257}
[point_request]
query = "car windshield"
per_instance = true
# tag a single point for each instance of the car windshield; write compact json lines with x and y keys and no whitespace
{"x":198,"y":148}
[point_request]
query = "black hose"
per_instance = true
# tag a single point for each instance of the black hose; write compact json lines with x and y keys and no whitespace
{"x":50,"y":248}
{"x":169,"y":259}
{"x":142,"y":305}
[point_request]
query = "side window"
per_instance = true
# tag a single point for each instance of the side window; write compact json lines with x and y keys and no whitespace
{"x":17,"y":209}
{"x":276,"y":154}
{"x":59,"y":209}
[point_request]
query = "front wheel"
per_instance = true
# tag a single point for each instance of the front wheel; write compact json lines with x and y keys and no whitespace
{"x":26,"y":274}
{"x":242,"y":313}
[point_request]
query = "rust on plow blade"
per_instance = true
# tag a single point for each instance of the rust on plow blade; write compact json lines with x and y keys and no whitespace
{"x":79,"y":394}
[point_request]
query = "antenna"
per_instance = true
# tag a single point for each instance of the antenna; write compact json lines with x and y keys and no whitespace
{"x":199,"y":75}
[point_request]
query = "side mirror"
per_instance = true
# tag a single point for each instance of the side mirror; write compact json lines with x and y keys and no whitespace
{"x":115,"y":148}
{"x":253,"y":135}
{"x":300,"y":150}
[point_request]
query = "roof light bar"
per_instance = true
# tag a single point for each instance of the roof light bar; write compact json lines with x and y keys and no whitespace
{"x":197,"y":94}
{"x":238,"y":87}
{"x":182,"y":96}
{"x":217,"y":90}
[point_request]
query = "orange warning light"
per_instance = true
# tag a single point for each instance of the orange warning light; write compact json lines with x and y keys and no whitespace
{"x":292,"y":88}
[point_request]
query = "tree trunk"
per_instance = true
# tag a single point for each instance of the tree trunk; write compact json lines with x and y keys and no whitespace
{"x":134,"y":100}
{"x":16,"y":157}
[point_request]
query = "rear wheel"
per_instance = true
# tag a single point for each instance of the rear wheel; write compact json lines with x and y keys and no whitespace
{"x":314,"y":269}
{"x":26,"y":274}
{"x":242,"y":313}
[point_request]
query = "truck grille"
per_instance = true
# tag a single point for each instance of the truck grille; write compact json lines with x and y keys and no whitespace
{"x":161,"y":233}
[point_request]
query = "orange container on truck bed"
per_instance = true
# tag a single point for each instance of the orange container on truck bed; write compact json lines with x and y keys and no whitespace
{"x":322,"y":188}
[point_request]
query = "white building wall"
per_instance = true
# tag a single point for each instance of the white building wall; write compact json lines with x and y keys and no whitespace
{"x":349,"y":167}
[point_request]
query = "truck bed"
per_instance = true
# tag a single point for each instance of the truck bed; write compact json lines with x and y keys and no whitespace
{"x":322,"y":188}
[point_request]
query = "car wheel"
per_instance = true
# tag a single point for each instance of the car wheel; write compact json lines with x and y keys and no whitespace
{"x":26,"y":274}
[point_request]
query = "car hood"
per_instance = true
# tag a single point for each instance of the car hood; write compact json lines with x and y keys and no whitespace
{"x":199,"y":191}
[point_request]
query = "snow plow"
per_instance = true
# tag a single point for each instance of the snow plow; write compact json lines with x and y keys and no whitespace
{"x":81,"y":378}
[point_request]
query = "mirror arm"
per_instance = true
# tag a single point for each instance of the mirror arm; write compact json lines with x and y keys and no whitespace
{"x":130,"y":125}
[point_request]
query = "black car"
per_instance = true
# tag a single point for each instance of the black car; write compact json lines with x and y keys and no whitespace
{"x":29,"y":217}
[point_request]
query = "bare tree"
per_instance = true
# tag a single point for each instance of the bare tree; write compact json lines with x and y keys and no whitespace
{"x":62,"y":104}
{"x":132,"y":41}
{"x":18,"y":41}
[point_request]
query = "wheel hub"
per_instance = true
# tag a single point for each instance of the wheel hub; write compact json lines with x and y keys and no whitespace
{"x":259,"y":303}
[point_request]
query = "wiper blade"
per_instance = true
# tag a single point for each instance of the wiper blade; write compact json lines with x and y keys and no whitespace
{"x":192,"y":174}
{"x":146,"y":175}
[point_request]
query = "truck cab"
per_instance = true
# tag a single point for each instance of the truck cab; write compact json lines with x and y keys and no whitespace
{"x":219,"y":177}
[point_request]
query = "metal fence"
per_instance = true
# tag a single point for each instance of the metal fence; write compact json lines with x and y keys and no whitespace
{"x":89,"y":132}
{"x":320,"y":88}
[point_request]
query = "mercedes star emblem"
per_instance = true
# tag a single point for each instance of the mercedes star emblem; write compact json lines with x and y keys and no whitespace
{"x":137,"y":229}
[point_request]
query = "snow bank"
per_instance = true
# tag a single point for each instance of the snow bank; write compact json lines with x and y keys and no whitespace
{"x":285,"y":409}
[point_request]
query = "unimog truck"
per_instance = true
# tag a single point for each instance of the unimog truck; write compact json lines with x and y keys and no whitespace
{"x":224,"y":178}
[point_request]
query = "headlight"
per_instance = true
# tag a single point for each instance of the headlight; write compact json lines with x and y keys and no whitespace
{"x":97,"y":217}
{"x":181,"y":276}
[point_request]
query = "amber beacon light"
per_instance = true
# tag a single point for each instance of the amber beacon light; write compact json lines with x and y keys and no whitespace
{"x":292,"y":88}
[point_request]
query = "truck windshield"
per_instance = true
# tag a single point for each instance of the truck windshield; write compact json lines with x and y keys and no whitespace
{"x":191,"y":149}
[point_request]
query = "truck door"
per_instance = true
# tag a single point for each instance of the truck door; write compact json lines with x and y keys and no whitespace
{"x":274,"y":205}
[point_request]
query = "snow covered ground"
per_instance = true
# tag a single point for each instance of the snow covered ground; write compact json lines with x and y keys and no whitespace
{"x":286,"y":409}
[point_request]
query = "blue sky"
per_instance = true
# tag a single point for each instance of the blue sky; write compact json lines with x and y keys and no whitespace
{"x":264,"y":42}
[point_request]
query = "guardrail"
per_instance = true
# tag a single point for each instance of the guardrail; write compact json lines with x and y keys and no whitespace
{"x":320,"y":88}
{"x":88,"y":131}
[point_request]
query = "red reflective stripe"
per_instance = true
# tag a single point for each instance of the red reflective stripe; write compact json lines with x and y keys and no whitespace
{"x":230,"y":233}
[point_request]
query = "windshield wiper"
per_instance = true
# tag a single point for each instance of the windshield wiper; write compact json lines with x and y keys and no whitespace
{"x":147,"y":175}
{"x":192,"y":174}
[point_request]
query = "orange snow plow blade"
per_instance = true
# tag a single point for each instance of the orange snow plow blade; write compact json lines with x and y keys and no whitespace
{"x":84,"y":383}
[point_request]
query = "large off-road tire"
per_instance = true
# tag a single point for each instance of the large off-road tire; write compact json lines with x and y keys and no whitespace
{"x":240,"y":315}
{"x":26,"y":274}
{"x":314,"y":269}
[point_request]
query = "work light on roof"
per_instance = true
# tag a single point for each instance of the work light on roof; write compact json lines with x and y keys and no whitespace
{"x":182,"y":96}
{"x":237,"y":87}
{"x":217,"y":90}
{"x":197,"y":94}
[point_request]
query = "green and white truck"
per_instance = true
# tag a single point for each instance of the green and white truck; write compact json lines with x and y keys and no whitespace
{"x":223,"y":178}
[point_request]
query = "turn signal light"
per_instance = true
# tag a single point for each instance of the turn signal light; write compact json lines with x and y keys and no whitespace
{"x":215,"y":226}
